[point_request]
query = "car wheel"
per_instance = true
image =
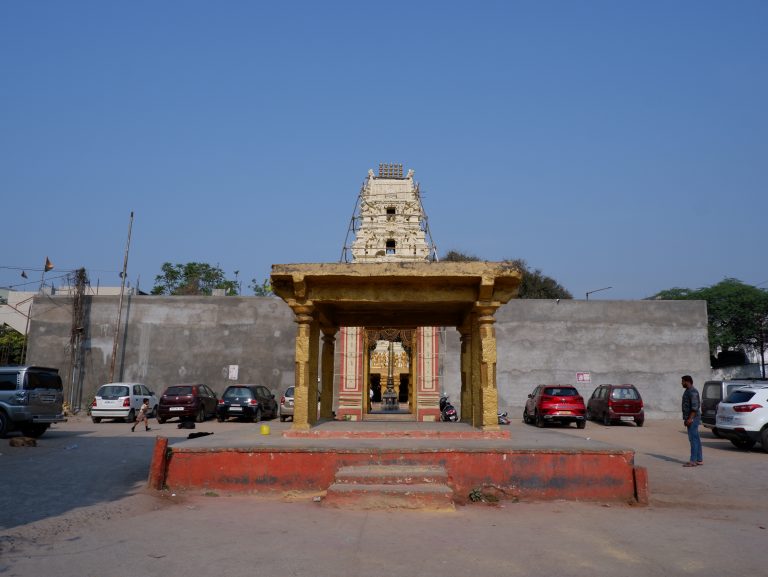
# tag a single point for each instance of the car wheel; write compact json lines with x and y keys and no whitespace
{"x":96,"y":419}
{"x":34,"y":430}
{"x":743,"y":443}
{"x":717,"y":434}
{"x":200,"y":418}
{"x":526,"y":418}
{"x":131,"y":416}
{"x":257,"y":415}
{"x":581,"y":424}
{"x":160,"y":419}
{"x":639,"y":422}
{"x":539,"y":420}
{"x":219,"y":419}
{"x":590,"y":416}
{"x":764,"y":439}
{"x":283,"y":418}
{"x":3,"y":424}
{"x":606,"y":419}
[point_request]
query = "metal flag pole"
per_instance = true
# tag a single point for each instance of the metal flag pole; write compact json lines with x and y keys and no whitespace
{"x":120,"y":302}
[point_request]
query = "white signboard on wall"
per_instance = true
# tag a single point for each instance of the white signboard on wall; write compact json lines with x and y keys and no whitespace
{"x":233,"y":372}
{"x":583,"y":377}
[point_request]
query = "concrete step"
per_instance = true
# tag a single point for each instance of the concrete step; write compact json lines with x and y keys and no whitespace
{"x":391,"y":487}
{"x":392,"y":474}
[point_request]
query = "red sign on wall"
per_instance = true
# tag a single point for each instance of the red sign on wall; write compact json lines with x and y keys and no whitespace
{"x":583,"y":378}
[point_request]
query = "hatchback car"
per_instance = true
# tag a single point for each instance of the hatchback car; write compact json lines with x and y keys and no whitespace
{"x":286,"y":404}
{"x":121,"y":401}
{"x":187,"y":402}
{"x":742,"y":417}
{"x":252,"y":402}
{"x":555,"y":404}
{"x":611,"y":403}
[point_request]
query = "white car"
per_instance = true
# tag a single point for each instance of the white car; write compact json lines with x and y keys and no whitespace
{"x":121,"y":401}
{"x":742,"y":417}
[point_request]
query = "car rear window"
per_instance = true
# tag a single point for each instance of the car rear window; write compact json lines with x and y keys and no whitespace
{"x":711,"y":391}
{"x":241,"y":392}
{"x":625,"y":394}
{"x":289,"y":392}
{"x":740,"y":396}
{"x":179,"y":391}
{"x":561,"y":391}
{"x":112,"y":391}
{"x":42,"y":381}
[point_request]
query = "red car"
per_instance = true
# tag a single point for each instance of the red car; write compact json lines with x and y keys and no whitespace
{"x":611,"y":403}
{"x":555,"y":404}
{"x":187,"y":402}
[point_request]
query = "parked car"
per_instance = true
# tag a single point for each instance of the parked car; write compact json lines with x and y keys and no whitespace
{"x":286,"y":404}
{"x":555,"y":404}
{"x":742,"y":417}
{"x":252,"y":402}
{"x":611,"y":403}
{"x":122,"y":401}
{"x":187,"y":402}
{"x":31,"y":398}
{"x":715,"y":391}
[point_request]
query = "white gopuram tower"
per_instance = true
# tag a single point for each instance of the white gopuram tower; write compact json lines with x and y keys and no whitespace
{"x":386,"y":373}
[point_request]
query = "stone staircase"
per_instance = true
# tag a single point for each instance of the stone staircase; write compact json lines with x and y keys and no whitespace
{"x":391,"y":487}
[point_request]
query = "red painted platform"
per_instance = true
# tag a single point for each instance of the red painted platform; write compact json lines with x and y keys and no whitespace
{"x":526,"y":464}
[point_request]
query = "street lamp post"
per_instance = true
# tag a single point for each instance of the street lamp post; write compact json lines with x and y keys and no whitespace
{"x":598,"y":290}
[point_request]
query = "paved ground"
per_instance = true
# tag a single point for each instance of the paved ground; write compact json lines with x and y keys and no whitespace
{"x":75,"y":506}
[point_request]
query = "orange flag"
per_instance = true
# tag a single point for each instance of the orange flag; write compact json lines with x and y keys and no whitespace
{"x":48,"y":264}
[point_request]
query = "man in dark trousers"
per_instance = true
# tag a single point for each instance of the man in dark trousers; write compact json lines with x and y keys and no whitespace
{"x":692,"y":420}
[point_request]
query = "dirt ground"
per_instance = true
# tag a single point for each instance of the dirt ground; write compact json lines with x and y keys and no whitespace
{"x":700,"y":521}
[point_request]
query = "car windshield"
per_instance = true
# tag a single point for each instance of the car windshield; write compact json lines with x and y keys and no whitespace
{"x":179,"y":391}
{"x":624,"y":394}
{"x":234,"y":392}
{"x":740,"y":396}
{"x":42,"y":381}
{"x":560,"y":391}
{"x":112,"y":391}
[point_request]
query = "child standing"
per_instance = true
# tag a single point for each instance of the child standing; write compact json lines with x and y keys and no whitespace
{"x":142,"y":416}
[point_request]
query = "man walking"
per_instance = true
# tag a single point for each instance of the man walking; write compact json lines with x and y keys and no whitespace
{"x":692,"y":420}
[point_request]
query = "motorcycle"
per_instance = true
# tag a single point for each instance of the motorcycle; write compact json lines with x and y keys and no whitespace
{"x":503,"y":418}
{"x":447,"y":411}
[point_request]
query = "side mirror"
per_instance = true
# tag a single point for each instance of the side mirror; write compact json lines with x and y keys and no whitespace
{"x":530,"y":395}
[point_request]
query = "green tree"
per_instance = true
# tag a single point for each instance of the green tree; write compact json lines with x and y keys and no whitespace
{"x":261,"y":289}
{"x":192,"y":278}
{"x":737,"y":314}
{"x":11,"y":346}
{"x":535,"y":284}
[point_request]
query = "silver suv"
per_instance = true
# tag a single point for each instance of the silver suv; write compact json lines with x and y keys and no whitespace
{"x":31,"y":398}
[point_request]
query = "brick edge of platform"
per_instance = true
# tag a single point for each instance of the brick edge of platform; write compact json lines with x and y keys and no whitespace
{"x":448,"y":435}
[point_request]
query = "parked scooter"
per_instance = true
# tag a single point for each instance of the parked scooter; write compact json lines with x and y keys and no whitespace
{"x":447,"y":411}
{"x":503,"y":418}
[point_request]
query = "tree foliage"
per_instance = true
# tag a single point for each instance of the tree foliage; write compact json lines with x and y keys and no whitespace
{"x":192,"y":278}
{"x":11,"y":346}
{"x":737,"y":313}
{"x":261,"y":289}
{"x":535,"y":284}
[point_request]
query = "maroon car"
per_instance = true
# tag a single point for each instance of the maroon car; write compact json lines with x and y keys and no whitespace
{"x":611,"y":403}
{"x":555,"y":404}
{"x":187,"y":402}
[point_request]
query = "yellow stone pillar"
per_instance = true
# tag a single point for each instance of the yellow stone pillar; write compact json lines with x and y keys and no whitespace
{"x":488,"y":394}
{"x":305,"y":374}
{"x":326,"y":394}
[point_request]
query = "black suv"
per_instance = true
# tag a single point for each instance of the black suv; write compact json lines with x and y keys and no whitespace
{"x":252,"y":402}
{"x":31,"y":398}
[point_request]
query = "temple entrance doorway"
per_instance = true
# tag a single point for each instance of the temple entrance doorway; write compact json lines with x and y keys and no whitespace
{"x":388,"y":362}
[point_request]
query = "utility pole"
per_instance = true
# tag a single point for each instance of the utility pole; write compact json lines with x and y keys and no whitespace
{"x":120,"y":303}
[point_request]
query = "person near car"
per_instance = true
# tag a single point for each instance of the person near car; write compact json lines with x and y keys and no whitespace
{"x":142,"y":416}
{"x":692,"y":420}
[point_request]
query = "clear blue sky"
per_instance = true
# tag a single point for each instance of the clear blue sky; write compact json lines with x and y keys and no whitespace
{"x":608,"y":143}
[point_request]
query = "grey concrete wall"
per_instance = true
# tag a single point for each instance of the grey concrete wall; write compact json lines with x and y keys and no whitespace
{"x":171,"y":340}
{"x":167,"y":340}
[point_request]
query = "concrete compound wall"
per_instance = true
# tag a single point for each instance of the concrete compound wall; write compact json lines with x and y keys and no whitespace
{"x":171,"y":340}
